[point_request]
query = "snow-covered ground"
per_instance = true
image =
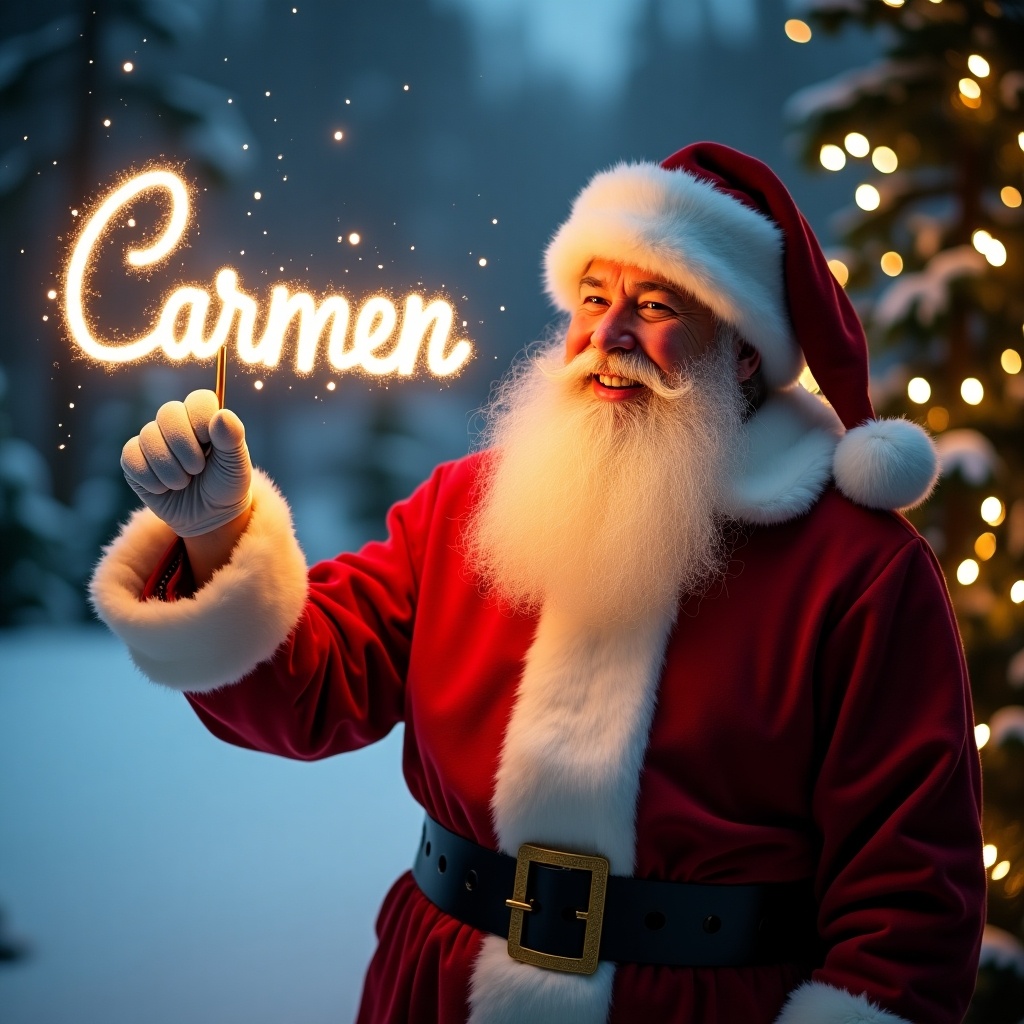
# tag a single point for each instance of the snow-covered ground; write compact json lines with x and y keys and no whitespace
{"x":159,"y":875}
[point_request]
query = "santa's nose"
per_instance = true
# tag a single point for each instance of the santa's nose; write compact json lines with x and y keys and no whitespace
{"x":614,"y":331}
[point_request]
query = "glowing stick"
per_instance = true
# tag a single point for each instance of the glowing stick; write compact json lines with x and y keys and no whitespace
{"x":377,"y":344}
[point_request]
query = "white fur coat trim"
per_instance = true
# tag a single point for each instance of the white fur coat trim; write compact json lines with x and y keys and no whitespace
{"x":568,"y":778}
{"x":787,"y":464}
{"x":688,"y":233}
{"x":817,"y":1003}
{"x":231,"y":625}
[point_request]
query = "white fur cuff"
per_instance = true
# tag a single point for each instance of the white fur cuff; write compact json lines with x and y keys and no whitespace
{"x":818,"y":1003}
{"x":231,"y":625}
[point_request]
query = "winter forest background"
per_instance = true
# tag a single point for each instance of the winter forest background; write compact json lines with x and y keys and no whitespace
{"x":148,"y":872}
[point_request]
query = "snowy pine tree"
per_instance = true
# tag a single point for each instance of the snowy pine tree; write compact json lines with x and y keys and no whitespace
{"x":931,"y":138}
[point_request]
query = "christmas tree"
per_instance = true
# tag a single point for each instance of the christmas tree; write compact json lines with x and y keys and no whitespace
{"x":931,"y":139}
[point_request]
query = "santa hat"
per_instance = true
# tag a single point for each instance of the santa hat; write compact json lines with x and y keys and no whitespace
{"x":721,"y":225}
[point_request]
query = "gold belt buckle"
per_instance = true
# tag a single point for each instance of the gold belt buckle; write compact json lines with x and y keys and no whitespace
{"x":593,"y":915}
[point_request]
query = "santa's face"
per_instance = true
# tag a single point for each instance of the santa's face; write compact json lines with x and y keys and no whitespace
{"x":623,"y":309}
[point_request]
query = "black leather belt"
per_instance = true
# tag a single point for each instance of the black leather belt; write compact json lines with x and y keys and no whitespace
{"x":564,"y":911}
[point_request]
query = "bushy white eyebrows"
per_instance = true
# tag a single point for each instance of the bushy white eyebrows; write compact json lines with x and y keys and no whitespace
{"x":640,"y":286}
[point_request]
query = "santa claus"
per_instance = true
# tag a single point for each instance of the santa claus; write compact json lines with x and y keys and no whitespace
{"x":684,"y":700}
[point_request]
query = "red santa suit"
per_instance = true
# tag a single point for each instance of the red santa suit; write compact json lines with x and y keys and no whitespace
{"x":808,"y":718}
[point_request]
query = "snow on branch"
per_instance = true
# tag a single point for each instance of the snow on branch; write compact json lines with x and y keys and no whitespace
{"x":927,"y":290}
{"x":968,"y":451}
{"x":1001,"y":950}
{"x":842,"y":91}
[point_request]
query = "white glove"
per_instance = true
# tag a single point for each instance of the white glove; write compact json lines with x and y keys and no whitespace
{"x":190,"y":465}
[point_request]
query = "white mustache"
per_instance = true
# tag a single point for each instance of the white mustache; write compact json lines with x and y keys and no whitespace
{"x":632,"y":365}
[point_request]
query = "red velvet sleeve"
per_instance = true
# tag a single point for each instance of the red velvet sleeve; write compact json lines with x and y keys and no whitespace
{"x":337,"y":683}
{"x":897,"y":800}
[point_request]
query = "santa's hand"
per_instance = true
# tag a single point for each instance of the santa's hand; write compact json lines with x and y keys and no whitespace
{"x":190,"y":465}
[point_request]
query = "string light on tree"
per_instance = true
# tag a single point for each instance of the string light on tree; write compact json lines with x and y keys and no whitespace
{"x":982,"y":734}
{"x":1000,"y":871}
{"x":797,"y":30}
{"x":972,"y":391}
{"x":884,"y":159}
{"x":857,"y":144}
{"x":1017,"y":592}
{"x":1010,"y":360}
{"x":989,"y":852}
{"x":867,"y":197}
{"x":840,"y":271}
{"x":919,"y":390}
{"x":985,"y":546}
{"x":967,"y":572}
{"x":832,"y":157}
{"x":892,"y":264}
{"x":992,"y":511}
{"x":1010,"y":196}
{"x":978,"y":66}
{"x":991,"y":248}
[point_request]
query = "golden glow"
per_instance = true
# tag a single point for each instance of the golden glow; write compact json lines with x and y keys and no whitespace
{"x":894,"y":3}
{"x":884,"y":159}
{"x":978,"y":66}
{"x":919,"y":390}
{"x":985,"y":546}
{"x":970,"y":89}
{"x":797,"y":30}
{"x":338,"y":136}
{"x":989,"y":854}
{"x":832,"y":157}
{"x":354,"y":238}
{"x":938,"y":418}
{"x":1001,"y":870}
{"x":840,"y":271}
{"x":892,"y":263}
{"x":1010,"y":196}
{"x":857,"y":144}
{"x":992,"y":510}
{"x":967,"y":571}
{"x":51,"y":294}
{"x":971,"y":391}
{"x":982,"y":733}
{"x":1020,"y":139}
{"x":807,"y":382}
{"x":128,"y":66}
{"x":980,"y":240}
{"x":995,"y":253}
{"x":867,"y":197}
{"x":375,"y":346}
{"x":1017,"y":592}
{"x":1010,"y":360}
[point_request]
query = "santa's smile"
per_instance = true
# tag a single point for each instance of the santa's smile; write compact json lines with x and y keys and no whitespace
{"x":614,"y":388}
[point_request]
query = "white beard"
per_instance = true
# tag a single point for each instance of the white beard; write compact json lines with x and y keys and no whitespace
{"x":609,"y":511}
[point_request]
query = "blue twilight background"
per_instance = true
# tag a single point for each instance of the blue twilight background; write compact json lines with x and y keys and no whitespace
{"x":150,"y":872}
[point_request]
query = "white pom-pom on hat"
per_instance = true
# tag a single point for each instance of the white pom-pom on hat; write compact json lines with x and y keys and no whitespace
{"x":888,"y":464}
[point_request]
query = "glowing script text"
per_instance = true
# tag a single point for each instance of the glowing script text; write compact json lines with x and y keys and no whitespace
{"x":181,"y":326}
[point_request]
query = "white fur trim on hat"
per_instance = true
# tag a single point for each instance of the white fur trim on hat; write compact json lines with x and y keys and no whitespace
{"x":817,"y":1003}
{"x":887,"y":464}
{"x":234,"y":622}
{"x":689,"y":234}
